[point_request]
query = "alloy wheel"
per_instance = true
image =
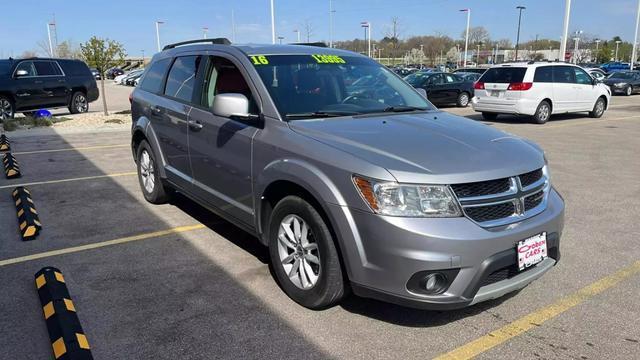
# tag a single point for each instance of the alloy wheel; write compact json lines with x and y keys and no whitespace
{"x":81,"y":103}
{"x":147,"y":172}
{"x":6,"y":110}
{"x":544,"y":112}
{"x":298,"y":252}
{"x":599,"y":108}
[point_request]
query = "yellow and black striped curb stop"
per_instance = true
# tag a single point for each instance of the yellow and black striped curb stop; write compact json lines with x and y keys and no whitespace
{"x":65,"y":332}
{"x":11,"y":167}
{"x":5,"y":145}
{"x":28,"y":219}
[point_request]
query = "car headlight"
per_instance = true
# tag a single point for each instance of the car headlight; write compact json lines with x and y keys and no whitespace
{"x":394,"y":199}
{"x":620,"y":84}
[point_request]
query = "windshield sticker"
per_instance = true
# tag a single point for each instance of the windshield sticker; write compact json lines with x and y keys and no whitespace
{"x":259,"y":60}
{"x":328,"y":59}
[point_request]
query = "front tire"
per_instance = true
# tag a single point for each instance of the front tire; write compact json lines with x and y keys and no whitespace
{"x":463,"y":99}
{"x":7,"y":110}
{"x":303,"y":254}
{"x":628,"y":91}
{"x":79,"y":103}
{"x":598,"y":108}
{"x":150,"y":182}
{"x":543,"y":113}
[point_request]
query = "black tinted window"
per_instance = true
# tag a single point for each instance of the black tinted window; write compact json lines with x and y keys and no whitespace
{"x":28,"y":67}
{"x":503,"y":75}
{"x":564,"y":74}
{"x":5,"y":66}
{"x":152,"y":80}
{"x":74,"y":68}
{"x":47,"y":68}
{"x":544,"y":74}
{"x":182,"y":78}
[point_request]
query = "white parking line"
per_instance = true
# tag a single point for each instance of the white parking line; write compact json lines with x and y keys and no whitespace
{"x":71,"y":149}
{"x":69,"y":180}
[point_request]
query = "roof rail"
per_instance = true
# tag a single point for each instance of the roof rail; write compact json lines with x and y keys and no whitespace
{"x":316,"y":44}
{"x":217,"y":41}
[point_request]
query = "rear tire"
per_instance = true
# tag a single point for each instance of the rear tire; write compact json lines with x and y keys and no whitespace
{"x":79,"y":103}
{"x":7,"y":110}
{"x":310,"y":257}
{"x":598,"y":108}
{"x":151,"y":184}
{"x":543,"y":113}
{"x":463,"y":99}
{"x":489,"y":116}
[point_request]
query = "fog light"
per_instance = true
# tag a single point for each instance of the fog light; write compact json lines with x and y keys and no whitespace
{"x":434,"y":283}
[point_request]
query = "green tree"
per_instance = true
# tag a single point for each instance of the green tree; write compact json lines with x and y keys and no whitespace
{"x":102,"y":54}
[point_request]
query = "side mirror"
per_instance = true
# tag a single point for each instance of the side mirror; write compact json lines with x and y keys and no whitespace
{"x":231,"y":105}
{"x":21,"y":73}
{"x":422,"y":92}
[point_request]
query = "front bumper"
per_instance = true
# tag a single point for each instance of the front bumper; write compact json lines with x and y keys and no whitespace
{"x":384,"y":252}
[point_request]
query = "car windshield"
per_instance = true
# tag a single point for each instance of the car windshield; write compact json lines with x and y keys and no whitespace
{"x":621,"y":75}
{"x":5,"y":67}
{"x":307,"y":86}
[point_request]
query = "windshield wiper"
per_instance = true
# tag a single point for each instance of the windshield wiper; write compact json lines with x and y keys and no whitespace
{"x":403,"y":108}
{"x":320,"y":114}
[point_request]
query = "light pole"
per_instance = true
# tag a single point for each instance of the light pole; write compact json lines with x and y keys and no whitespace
{"x":367,"y":35}
{"x":478,"y":54}
{"x":634,"y":55}
{"x":233,"y":26}
{"x":520,"y":8}
{"x":617,"y":45}
{"x":49,"y":36}
{"x":297,"y":34}
{"x":466,"y":37}
{"x":575,"y":50}
{"x":158,"y":23}
{"x":597,"y":46}
{"x":565,"y":33}
{"x":205,"y":30}
{"x":142,"y":57}
{"x":331,"y":11}
{"x":280,"y":38}
{"x":273,"y":24}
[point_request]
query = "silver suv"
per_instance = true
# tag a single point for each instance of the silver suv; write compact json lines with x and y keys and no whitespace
{"x":353,"y":180}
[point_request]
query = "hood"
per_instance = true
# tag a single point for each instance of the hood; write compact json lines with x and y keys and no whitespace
{"x":610,"y":81}
{"x":433,"y":147}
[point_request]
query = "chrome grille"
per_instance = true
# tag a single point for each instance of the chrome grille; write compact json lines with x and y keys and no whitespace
{"x":504,"y":201}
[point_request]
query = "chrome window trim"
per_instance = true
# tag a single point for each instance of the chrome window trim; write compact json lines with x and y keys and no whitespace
{"x":13,"y":76}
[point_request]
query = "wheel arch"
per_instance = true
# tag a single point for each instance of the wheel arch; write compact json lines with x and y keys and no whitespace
{"x":142,"y":130}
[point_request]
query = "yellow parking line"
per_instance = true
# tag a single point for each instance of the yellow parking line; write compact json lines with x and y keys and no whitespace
{"x":72,"y":179}
{"x":71,"y":149}
{"x":536,"y":318}
{"x":175,"y":230}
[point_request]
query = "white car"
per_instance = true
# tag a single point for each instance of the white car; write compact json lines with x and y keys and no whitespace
{"x":539,"y":90}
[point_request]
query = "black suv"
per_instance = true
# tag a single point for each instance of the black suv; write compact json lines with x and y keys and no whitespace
{"x":31,"y":84}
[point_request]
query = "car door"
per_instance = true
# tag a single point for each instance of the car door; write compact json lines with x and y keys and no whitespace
{"x":54,"y":85}
{"x":451,"y":87}
{"x":28,"y":88}
{"x":586,"y":93}
{"x":220,"y":148}
{"x":169,"y":117}
{"x":564,"y":84}
{"x":435,"y":88}
{"x":636,"y":82}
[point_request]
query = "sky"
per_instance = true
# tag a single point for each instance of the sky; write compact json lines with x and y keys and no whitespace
{"x":132,"y":22}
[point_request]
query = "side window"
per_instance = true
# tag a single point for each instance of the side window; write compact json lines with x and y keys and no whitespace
{"x":223,"y":77}
{"x":28,"y":67}
{"x":544,"y":74}
{"x":436,"y":79}
{"x":564,"y":74}
{"x":182,"y":78}
{"x":152,"y":81}
{"x":582,"y":77}
{"x":47,"y":68}
{"x":451,"y":78}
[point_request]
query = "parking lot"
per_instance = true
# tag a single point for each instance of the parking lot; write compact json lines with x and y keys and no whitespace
{"x":176,"y":282}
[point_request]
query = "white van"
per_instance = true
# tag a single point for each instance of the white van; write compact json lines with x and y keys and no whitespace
{"x":539,"y":90}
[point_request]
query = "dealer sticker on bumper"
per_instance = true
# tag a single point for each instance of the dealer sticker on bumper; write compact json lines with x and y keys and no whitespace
{"x":532,"y":250}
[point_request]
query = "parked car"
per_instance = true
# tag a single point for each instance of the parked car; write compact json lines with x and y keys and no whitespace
{"x":113,"y":72}
{"x":614,"y":66}
{"x":123,"y":78}
{"x":443,"y":88}
{"x":624,"y":82}
{"x":377,"y":191}
{"x":131,"y":80}
{"x":597,"y":74}
{"x":471,"y":70}
{"x":31,"y":84}
{"x":469,"y":76}
{"x":95,"y":73}
{"x":539,"y":90}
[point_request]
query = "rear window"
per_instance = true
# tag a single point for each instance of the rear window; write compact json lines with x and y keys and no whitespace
{"x":47,"y":68}
{"x":152,"y":80}
{"x":504,"y":75}
{"x":5,"y":67}
{"x":74,"y":68}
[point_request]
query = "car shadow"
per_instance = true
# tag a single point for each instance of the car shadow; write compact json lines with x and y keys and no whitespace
{"x":521,"y":119}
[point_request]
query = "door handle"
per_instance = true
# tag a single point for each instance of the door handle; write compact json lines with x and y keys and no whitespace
{"x":195,"y":125}
{"x":61,"y":81}
{"x":155,"y":110}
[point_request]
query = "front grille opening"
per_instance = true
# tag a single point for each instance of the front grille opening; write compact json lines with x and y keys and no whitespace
{"x":481,"y":188}
{"x":503,"y":274}
{"x":490,"y":212}
{"x":534,"y":200}
{"x":530,"y":177}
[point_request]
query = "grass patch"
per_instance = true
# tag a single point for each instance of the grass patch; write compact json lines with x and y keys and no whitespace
{"x":114,"y":121}
{"x":30,"y":122}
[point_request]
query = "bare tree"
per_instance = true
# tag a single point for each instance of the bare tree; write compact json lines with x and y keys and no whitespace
{"x":392,"y":36}
{"x":102,"y":54}
{"x":29,"y":54}
{"x":67,"y":50}
{"x":477,"y":34}
{"x":308,"y":30}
